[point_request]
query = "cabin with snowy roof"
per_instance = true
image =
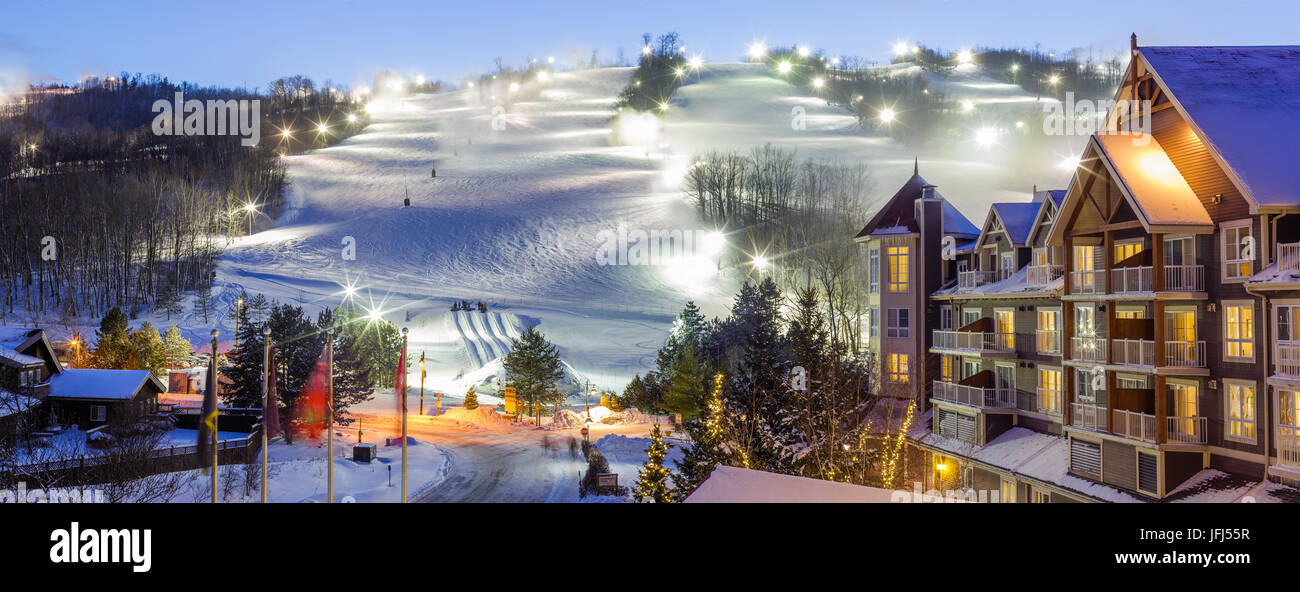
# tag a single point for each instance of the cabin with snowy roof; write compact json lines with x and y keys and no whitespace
{"x":33,"y":381}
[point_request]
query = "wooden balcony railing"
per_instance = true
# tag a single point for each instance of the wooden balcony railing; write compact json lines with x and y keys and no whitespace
{"x":1130,"y":279}
{"x":1041,"y":275}
{"x":1288,"y":445}
{"x":1133,"y":352}
{"x":1088,"y":349}
{"x":1185,"y":278}
{"x":1131,"y":424}
{"x":976,"y":278}
{"x":1287,"y":356}
{"x":974,"y":341}
{"x":1185,"y":354}
{"x":1086,"y":415}
{"x":997,"y":397}
{"x":1187,"y":429}
{"x":1288,"y":256}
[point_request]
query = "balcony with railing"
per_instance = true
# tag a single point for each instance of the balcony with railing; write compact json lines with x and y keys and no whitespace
{"x":1288,"y":445}
{"x":1185,"y":354}
{"x":976,"y":278}
{"x":1288,"y":256}
{"x":1184,"y":278}
{"x":1133,"y":352}
{"x":1130,"y":279}
{"x":1047,"y":341}
{"x":1041,"y":275}
{"x":1088,"y":349}
{"x":974,"y":341}
{"x":1189,"y":430}
{"x":1088,"y":282}
{"x":1133,"y":425}
{"x":1287,"y":356}
{"x":1088,"y":416}
{"x":974,"y":396}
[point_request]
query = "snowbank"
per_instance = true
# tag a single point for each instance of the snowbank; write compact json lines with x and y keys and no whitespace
{"x":479,"y":416}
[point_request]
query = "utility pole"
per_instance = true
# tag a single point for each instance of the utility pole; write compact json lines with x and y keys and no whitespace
{"x":421,"y":383}
{"x":329,"y":419}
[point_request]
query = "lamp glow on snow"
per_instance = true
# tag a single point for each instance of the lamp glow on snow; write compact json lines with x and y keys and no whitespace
{"x":543,"y":76}
{"x":697,"y":62}
{"x":901,"y":48}
{"x":965,"y":57}
{"x":986,"y":137}
{"x":783,"y":67}
{"x":663,"y":106}
{"x":514,"y":86}
{"x":968,"y":106}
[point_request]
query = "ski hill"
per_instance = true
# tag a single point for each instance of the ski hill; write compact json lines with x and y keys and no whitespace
{"x":515,"y":213}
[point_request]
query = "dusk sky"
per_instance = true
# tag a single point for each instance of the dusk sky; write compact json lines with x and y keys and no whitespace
{"x":238,"y":42}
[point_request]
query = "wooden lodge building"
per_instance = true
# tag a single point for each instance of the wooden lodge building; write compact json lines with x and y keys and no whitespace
{"x":1132,"y":337}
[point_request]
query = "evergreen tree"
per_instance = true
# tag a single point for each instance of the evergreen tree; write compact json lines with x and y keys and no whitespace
{"x":177,"y":350}
{"x":471,"y":399}
{"x":532,"y":368}
{"x":353,"y":374}
{"x":708,"y":435}
{"x":147,"y":351}
{"x":245,"y":368}
{"x":373,"y":347}
{"x":112,"y":341}
{"x":652,"y":480}
{"x":259,"y":309}
{"x":687,"y":380}
{"x":809,"y":343}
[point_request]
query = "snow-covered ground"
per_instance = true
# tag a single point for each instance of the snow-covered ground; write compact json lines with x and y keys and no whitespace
{"x":515,"y":214}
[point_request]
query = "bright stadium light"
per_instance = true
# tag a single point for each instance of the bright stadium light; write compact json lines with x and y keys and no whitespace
{"x":965,"y":56}
{"x":757,"y":50}
{"x":783,"y":67}
{"x":886,"y":115}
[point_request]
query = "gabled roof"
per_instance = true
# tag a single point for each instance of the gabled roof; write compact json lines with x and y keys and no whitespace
{"x":1244,"y":103}
{"x":86,"y":383}
{"x":898,"y":212}
{"x":16,"y":340}
{"x":735,"y":485}
{"x":1017,"y":218}
{"x":1155,"y":188}
{"x":1049,"y":202}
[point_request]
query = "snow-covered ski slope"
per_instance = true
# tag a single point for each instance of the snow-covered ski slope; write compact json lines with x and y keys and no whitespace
{"x":514,"y":215}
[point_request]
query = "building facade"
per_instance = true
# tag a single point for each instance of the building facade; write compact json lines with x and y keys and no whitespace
{"x":1130,"y":338}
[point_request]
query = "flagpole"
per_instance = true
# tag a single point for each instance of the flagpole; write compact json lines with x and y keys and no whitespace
{"x":329,"y":419}
{"x":403,"y":395}
{"x":266,"y":402}
{"x":212,"y":373}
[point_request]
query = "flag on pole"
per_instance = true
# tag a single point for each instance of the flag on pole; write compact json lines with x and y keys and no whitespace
{"x":208,"y":423}
{"x":312,"y":410}
{"x":399,"y":385}
{"x":271,"y":414}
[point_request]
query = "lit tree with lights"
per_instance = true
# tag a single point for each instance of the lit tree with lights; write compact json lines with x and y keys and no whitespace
{"x":652,"y":481}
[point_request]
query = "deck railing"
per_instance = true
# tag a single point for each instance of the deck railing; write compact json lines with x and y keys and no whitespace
{"x":1185,"y":278}
{"x":1185,"y":354}
{"x":1088,"y":349}
{"x":976,"y":278}
{"x":1287,"y":354}
{"x":999,"y":397}
{"x":1088,"y":282}
{"x":1130,"y":279}
{"x":1132,"y":352}
{"x":1131,"y":424}
{"x":1041,"y":275}
{"x":1087,"y":415}
{"x":974,"y":341}
{"x":1187,"y":429}
{"x":1288,"y":256}
{"x":1288,"y":445}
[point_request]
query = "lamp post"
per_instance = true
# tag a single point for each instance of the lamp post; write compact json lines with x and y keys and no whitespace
{"x":421,"y":383}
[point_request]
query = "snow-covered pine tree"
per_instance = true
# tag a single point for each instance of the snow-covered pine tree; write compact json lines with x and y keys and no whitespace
{"x":169,"y":301}
{"x":532,"y":367}
{"x":652,"y":479}
{"x":244,"y":370}
{"x":177,"y":350}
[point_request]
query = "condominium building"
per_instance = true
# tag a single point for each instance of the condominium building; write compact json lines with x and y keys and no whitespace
{"x":1131,"y":338}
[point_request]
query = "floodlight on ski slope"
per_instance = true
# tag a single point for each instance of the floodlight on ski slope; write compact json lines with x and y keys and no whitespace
{"x":757,"y":50}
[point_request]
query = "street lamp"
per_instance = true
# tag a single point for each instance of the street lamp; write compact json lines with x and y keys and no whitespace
{"x":421,"y":383}
{"x":252,"y":211}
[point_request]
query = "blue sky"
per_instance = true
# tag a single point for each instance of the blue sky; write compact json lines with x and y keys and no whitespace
{"x":237,"y":42}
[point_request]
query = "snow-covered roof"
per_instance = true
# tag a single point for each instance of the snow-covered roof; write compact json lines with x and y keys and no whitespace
{"x":85,"y":383}
{"x":14,"y":338}
{"x":1017,"y":218}
{"x":891,"y":230}
{"x":899,"y":207}
{"x":955,"y":223}
{"x":1057,"y":196}
{"x":1015,"y":284}
{"x":11,"y":402}
{"x":747,"y":486}
{"x":1245,"y":100}
{"x":1146,"y":174}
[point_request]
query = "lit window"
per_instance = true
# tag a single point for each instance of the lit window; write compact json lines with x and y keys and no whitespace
{"x":898,"y":268}
{"x":896,"y":370}
{"x":1049,"y":391}
{"x":1238,"y":251}
{"x":1239,"y":331}
{"x":1240,"y":415}
{"x":1008,"y":492}
{"x":945,"y":368}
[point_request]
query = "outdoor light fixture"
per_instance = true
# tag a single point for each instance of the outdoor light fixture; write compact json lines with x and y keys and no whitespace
{"x":818,"y":82}
{"x":757,"y":50}
{"x":965,"y":57}
{"x":783,"y":67}
{"x":886,"y":115}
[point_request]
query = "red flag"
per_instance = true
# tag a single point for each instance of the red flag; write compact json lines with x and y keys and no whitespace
{"x":271,"y":414}
{"x":313,"y":406}
{"x":399,"y":385}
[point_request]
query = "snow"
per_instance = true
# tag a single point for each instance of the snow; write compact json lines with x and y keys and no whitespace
{"x":735,"y":485}
{"x":1015,"y":284}
{"x":13,"y":338}
{"x":84,"y":383}
{"x":11,"y":403}
{"x":1244,"y":99}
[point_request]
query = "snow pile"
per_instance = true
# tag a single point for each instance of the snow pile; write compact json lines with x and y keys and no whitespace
{"x":479,"y":416}
{"x":631,"y":416}
{"x":565,"y":420}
